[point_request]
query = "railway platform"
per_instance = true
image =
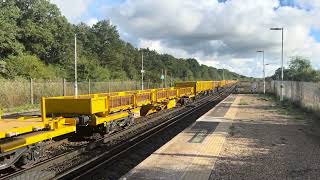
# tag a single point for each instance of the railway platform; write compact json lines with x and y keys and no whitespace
{"x":192,"y":153}
{"x":246,"y":136}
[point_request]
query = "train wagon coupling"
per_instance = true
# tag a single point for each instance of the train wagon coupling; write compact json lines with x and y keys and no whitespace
{"x":22,"y":139}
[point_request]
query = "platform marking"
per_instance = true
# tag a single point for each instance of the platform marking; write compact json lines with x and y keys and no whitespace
{"x":200,"y":168}
{"x":180,"y":159}
{"x":202,"y":129}
{"x":199,"y":137}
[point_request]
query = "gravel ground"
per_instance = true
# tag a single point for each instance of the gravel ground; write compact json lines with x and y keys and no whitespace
{"x":270,"y":141}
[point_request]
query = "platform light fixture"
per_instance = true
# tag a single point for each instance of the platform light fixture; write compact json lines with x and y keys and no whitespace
{"x":263,"y":72}
{"x":280,"y":29}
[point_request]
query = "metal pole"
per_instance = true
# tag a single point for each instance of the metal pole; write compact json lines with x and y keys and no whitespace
{"x":282,"y":84}
{"x":75,"y":66}
{"x":109,"y":88}
{"x":142,"y":71}
{"x":281,"y":97}
{"x":64,"y":87}
{"x":264,"y":74}
{"x":165,"y":78}
{"x":31,"y":91}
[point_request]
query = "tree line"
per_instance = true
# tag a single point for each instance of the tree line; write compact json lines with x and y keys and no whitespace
{"x":300,"y":69}
{"x":37,"y":41}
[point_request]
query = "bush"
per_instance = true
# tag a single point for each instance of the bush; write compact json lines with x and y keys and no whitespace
{"x":28,"y":66}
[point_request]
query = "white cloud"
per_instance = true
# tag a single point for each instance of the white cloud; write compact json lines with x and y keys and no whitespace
{"x":160,"y":48}
{"x":73,"y":10}
{"x":90,"y":22}
{"x":221,"y":34}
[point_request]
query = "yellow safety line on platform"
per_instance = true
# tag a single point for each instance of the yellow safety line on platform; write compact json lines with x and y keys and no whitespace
{"x":214,"y":148}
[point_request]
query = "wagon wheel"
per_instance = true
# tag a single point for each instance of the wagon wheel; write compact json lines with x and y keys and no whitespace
{"x":108,"y":128}
{"x":111,"y":127}
{"x":9,"y":160}
{"x":31,"y":156}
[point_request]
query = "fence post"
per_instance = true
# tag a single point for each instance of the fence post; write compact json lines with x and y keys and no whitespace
{"x":109,"y":86}
{"x":64,"y":87}
{"x":149,"y":84}
{"x":89,"y":86}
{"x":31,"y":91}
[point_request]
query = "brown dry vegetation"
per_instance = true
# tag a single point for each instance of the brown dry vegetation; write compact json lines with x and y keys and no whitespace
{"x":15,"y":93}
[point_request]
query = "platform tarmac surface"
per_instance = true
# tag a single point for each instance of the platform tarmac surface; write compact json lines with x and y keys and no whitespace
{"x":244,"y":137}
{"x":191,"y":154}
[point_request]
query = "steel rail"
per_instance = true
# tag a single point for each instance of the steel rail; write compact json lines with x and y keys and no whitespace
{"x":110,"y":155}
{"x":91,"y":145}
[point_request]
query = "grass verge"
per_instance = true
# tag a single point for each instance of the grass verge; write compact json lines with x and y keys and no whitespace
{"x":23,"y":108}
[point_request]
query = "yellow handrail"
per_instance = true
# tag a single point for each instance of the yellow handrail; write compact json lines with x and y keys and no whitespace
{"x":43,"y":111}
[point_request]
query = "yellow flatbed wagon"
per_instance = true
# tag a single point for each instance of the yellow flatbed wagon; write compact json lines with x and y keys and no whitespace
{"x":40,"y":132}
{"x":92,"y":113}
{"x":17,"y":136}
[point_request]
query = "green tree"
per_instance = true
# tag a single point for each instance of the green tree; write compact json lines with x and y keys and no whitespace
{"x":300,"y":69}
{"x":44,"y":31}
{"x":37,"y":28}
{"x":9,"y":30}
{"x":28,"y":66}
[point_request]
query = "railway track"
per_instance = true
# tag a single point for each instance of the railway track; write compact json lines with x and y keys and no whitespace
{"x":111,"y":155}
{"x":111,"y":146}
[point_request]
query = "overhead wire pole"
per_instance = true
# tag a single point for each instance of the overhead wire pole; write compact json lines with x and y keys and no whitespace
{"x":142,"y":71}
{"x":282,"y":85}
{"x":75,"y":66}
{"x":263,"y":72}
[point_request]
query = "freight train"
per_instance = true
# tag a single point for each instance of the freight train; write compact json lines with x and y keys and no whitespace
{"x":21,"y":138}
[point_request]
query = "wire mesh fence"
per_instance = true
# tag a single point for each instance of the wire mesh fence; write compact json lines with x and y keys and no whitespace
{"x":20,"y":92}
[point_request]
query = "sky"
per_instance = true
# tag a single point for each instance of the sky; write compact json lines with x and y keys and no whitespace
{"x":219,"y":33}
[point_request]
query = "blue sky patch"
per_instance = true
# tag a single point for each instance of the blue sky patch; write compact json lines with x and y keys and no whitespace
{"x":315,"y":34}
{"x":289,"y":3}
{"x":95,"y":10}
{"x":294,"y":4}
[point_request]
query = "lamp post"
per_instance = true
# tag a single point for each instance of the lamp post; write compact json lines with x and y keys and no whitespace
{"x":280,"y":29}
{"x":263,"y":72}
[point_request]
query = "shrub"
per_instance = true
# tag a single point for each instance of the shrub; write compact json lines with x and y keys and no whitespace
{"x":28,"y":66}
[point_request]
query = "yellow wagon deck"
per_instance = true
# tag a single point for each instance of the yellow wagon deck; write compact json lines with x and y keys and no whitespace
{"x":27,"y":131}
{"x":14,"y":127}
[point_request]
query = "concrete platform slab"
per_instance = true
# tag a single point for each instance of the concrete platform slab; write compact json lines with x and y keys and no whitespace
{"x":192,"y":153}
